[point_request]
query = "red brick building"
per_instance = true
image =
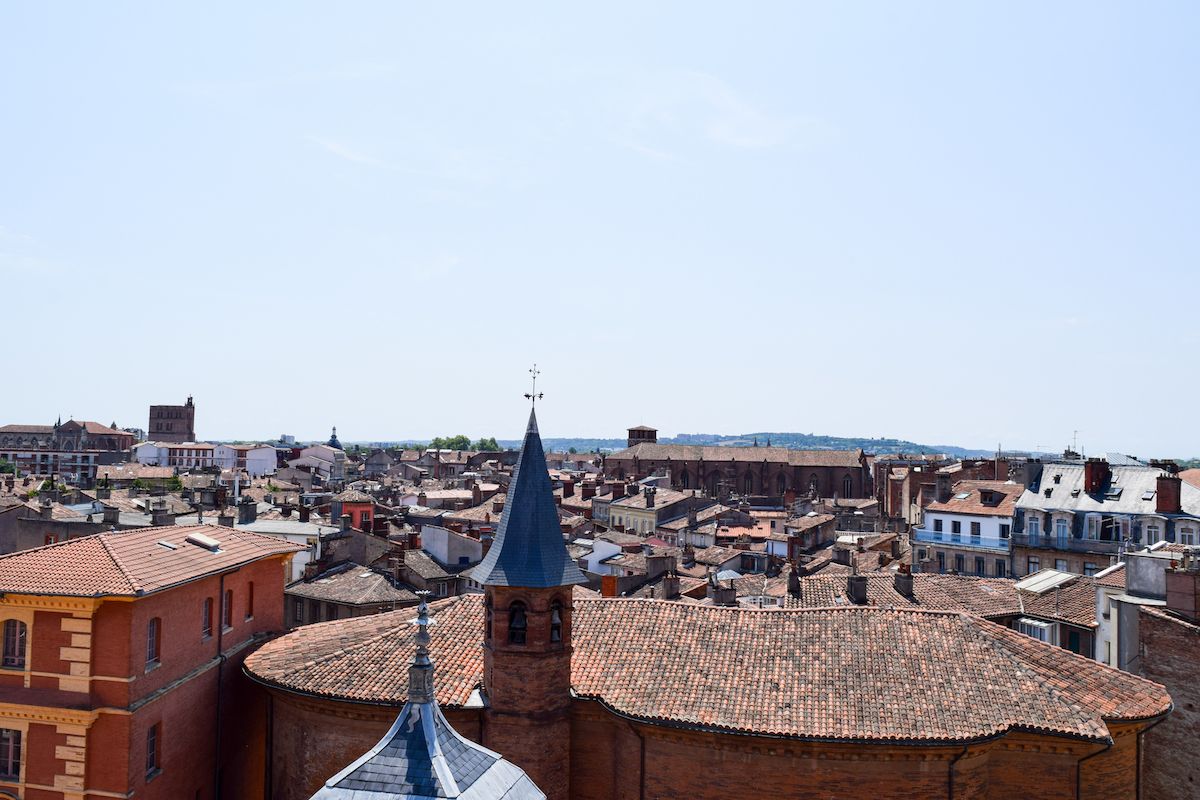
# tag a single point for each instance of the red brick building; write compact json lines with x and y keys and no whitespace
{"x":618,"y":698}
{"x":121,"y":662}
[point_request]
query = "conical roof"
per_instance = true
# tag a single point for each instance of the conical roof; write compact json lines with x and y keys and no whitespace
{"x":529,"y":550}
{"x":422,"y":756}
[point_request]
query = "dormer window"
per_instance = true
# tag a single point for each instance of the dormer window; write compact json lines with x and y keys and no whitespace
{"x":518,"y":623}
{"x":556,"y":621}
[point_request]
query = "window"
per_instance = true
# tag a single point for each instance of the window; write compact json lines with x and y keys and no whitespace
{"x":152,"y":744}
{"x":52,"y":538}
{"x":937,"y":525}
{"x":298,"y":611}
{"x":1093,"y":527}
{"x":975,"y":529}
{"x":1061,"y":530}
{"x":1060,"y":564}
{"x":15,"y":635}
{"x":556,"y":621}
{"x":517,"y":623}
{"x":748,"y":484}
{"x":941,"y":562}
{"x":1152,"y":533}
{"x":1001,"y":568}
{"x":250,"y":600}
{"x":206,"y":618}
{"x":685,"y":480}
{"x":1187,"y":535}
{"x":153,"y":641}
{"x":959,"y":563}
{"x":980,"y":570}
{"x":955,"y":526}
{"x":847,"y":486}
{"x":1034,"y":526}
{"x":10,"y":754}
{"x":1005,"y":529}
{"x":227,"y":609}
{"x":1089,"y":568}
{"x":1034,"y":565}
{"x":1042,"y":631}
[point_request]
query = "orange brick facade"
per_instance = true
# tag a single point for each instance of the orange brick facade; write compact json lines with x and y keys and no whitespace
{"x":85,"y":698}
{"x":612,"y":758}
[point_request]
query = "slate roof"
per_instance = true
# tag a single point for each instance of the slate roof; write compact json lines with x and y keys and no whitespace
{"x":917,"y":676}
{"x":528,"y":550}
{"x":1135,"y":483}
{"x":132,"y":563}
{"x":716,"y":454}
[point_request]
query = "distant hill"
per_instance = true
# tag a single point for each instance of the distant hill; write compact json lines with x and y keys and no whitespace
{"x":794,"y":441}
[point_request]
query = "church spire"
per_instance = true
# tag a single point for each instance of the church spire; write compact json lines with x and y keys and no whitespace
{"x":420,"y":673}
{"x":528,"y":550}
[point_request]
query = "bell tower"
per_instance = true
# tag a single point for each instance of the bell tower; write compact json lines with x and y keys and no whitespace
{"x":527,"y":577}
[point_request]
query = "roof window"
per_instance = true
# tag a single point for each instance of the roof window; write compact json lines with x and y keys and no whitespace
{"x":207,"y":542}
{"x":1148,"y":495}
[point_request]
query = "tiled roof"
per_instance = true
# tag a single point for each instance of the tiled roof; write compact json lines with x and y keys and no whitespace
{"x":131,"y":563}
{"x":1191,"y":476}
{"x":716,"y":555}
{"x":850,"y":673}
{"x":702,"y":515}
{"x":1007,"y":493}
{"x":352,"y":585}
{"x":123,"y":472}
{"x":528,"y":550}
{"x":353,"y":496}
{"x":801,"y":524}
{"x":753,"y":455}
{"x":987,"y":597}
{"x":662,"y":497}
{"x":423,"y":564}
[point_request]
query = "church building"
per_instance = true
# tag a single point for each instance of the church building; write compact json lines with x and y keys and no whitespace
{"x":600,"y":699}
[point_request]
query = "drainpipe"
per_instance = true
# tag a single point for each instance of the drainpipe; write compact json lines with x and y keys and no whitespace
{"x":642,"y":761}
{"x":950,"y":774}
{"x":220,"y":674}
{"x":1079,"y":770}
{"x":1141,"y":733}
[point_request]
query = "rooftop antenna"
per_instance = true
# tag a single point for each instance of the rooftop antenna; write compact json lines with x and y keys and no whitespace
{"x":533,"y":395}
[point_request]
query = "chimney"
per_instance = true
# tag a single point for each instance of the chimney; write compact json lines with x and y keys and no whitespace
{"x":224,"y":518}
{"x":1168,"y":496}
{"x":942,"y":493}
{"x":1183,"y":587}
{"x":422,"y":499}
{"x":670,"y":586}
{"x":793,"y":582}
{"x":657,"y":565}
{"x":159,"y":515}
{"x":46,"y":510}
{"x":476,"y":494}
{"x":631,"y":490}
{"x":724,"y":594}
{"x":895,"y":547}
{"x":648,"y":493}
{"x":1095,"y":475}
{"x":587,"y":491}
{"x":608,"y":585}
{"x":345,"y":522}
{"x":904,"y":581}
{"x":856,"y":589}
{"x":841,"y":555}
{"x":101,"y":494}
{"x":497,"y":505}
{"x":247,"y":510}
{"x":568,"y":488}
{"x":305,"y":512}
{"x":112,"y":515}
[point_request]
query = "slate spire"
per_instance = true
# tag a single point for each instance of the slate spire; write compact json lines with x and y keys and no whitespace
{"x":529,"y":550}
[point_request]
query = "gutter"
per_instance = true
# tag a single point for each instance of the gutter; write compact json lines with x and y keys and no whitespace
{"x":950,"y":773}
{"x":1079,"y":769}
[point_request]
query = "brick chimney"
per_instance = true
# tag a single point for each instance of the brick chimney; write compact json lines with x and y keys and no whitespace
{"x":224,"y":518}
{"x":608,"y":585}
{"x":476,"y":494}
{"x":904,"y":581}
{"x":247,"y":510}
{"x":568,"y":488}
{"x":112,"y":515}
{"x":724,"y":594}
{"x":160,"y":515}
{"x":587,"y":491}
{"x":46,"y":509}
{"x":1095,"y":475}
{"x":856,"y":589}
{"x":942,"y":492}
{"x":657,"y":565}
{"x":305,"y":513}
{"x":670,"y":586}
{"x":345,"y":522}
{"x":1183,"y":587}
{"x":648,"y":493}
{"x":1169,"y":494}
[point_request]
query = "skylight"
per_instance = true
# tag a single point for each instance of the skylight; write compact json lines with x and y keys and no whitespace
{"x":1148,"y":495}
{"x":962,"y":495}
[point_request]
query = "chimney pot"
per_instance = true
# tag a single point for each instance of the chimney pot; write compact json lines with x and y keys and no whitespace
{"x":1169,"y":494}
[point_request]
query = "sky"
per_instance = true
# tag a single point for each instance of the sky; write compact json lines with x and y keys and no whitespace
{"x":954,"y":223}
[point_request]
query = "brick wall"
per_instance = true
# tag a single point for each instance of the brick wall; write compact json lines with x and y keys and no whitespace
{"x":1170,"y":654}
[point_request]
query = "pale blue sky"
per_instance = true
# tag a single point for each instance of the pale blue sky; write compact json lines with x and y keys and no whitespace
{"x":949,"y":222}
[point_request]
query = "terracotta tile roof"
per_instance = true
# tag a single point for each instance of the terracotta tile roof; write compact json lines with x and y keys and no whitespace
{"x":924,"y":676}
{"x":353,"y":496}
{"x":131,"y":563}
{"x":801,"y":524}
{"x":1007,"y":494}
{"x":1191,"y":476}
{"x":1113,"y":577}
{"x":716,"y":555}
{"x":352,"y":584}
{"x":987,"y":597}
{"x":662,"y":498}
{"x":128,"y":472}
{"x":703,"y":515}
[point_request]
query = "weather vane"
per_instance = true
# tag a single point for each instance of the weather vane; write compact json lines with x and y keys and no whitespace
{"x":534,"y":395}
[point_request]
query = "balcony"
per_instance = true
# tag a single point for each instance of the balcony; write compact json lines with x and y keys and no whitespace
{"x":1068,"y":544}
{"x":956,"y":539}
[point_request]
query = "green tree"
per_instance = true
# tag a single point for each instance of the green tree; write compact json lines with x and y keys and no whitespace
{"x":7,"y":468}
{"x":459,"y":442}
{"x":488,"y":443}
{"x":572,"y":450}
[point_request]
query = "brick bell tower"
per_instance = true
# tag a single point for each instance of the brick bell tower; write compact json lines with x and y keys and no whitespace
{"x":527,"y":577}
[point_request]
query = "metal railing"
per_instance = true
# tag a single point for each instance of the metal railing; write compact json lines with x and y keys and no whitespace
{"x":1069,"y":543}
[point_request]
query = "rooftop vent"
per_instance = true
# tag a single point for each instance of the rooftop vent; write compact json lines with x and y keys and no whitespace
{"x":207,"y":542}
{"x":168,"y":545}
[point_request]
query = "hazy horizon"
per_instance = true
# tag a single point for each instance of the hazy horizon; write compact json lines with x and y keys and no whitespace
{"x":955,"y":224}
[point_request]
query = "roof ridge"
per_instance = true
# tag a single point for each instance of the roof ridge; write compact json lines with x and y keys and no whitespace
{"x":944,"y":612}
{"x":120,"y":565}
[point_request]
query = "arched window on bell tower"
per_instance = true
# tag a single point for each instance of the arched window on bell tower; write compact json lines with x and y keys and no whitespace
{"x":556,"y":621}
{"x":518,"y":623}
